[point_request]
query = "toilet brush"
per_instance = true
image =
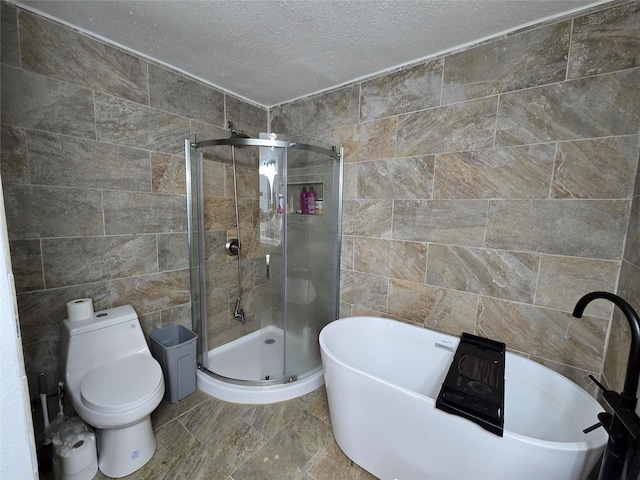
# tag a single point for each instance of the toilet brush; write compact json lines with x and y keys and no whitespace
{"x":44,"y":453}
{"x":60,"y":399}
{"x":42,"y":390}
{"x":56,"y":425}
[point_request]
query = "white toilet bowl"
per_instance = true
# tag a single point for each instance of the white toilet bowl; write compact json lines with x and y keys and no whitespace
{"x":114,"y":384}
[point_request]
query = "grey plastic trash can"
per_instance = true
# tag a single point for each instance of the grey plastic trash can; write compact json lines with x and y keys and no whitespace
{"x":174,"y":347}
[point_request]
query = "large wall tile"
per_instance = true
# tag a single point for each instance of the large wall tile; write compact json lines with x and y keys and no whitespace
{"x":410,"y":178}
{"x":346,"y":310}
{"x":320,"y":112}
{"x":543,"y":332}
{"x":404,"y":260}
{"x":76,"y":162}
{"x":617,"y":359}
{"x":496,"y":273}
{"x":9,"y":39}
{"x":177,"y":315}
{"x":346,"y":252}
{"x":36,"y":211}
{"x":403,"y":91}
{"x":175,"y":93}
{"x":41,"y":357}
{"x":605,"y":41}
{"x":363,"y":289}
{"x":173,"y":251}
{"x":33,"y":101}
{"x":632,"y":246}
{"x":584,"y":108}
{"x":247,"y":183}
{"x":620,"y":336}
{"x":219,"y":213}
{"x":14,"y":167}
{"x":150,"y":322}
{"x":149,"y":293}
{"x":246,"y":117}
{"x":349,"y":182}
{"x":71,"y":261}
{"x":130,"y":212}
{"x":564,"y":280}
{"x":629,"y":286}
{"x":42,"y":312}
{"x":135,"y":125}
{"x":519,"y":172}
{"x":585,"y":228}
{"x":528,"y":59}
{"x":368,"y":141}
{"x":213,"y":178}
{"x":60,"y":52}
{"x":26,"y":264}
{"x":459,"y":222}
{"x":203,"y":131}
{"x":463,"y":126}
{"x":368,"y":218}
{"x":168,"y":173}
{"x":439,"y":309}
{"x":602,"y":168}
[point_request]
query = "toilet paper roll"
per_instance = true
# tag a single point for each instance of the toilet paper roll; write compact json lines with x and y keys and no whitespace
{"x":80,"y":458}
{"x":79,"y":309}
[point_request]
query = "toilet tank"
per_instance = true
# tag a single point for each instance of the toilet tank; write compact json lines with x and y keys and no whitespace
{"x":108,"y":335}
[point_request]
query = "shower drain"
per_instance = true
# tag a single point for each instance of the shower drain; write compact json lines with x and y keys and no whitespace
{"x":269,"y":341}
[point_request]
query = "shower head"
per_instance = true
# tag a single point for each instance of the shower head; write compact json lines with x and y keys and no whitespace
{"x":236,"y":133}
{"x":239,"y":134}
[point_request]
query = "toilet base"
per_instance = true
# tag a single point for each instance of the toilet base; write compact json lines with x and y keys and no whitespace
{"x":122,"y":451}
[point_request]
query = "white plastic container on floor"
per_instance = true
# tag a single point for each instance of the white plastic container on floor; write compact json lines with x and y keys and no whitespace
{"x":75,"y":455}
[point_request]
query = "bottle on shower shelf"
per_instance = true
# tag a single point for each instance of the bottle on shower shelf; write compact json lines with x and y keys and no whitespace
{"x":280,"y":203}
{"x":304,"y":209}
{"x":311,"y":202}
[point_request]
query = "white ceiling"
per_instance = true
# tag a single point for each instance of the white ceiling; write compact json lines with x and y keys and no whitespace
{"x":272,"y":51}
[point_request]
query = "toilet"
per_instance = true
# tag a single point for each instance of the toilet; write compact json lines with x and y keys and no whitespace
{"x":114,"y":384}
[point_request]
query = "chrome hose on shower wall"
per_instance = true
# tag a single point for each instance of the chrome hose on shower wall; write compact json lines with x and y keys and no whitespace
{"x":238,"y":312}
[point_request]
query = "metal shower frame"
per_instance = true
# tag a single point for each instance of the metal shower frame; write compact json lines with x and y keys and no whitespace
{"x":201,"y":281}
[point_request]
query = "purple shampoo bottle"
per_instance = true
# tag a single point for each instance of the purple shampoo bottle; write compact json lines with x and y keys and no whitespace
{"x":303,"y":201}
{"x":311,"y":202}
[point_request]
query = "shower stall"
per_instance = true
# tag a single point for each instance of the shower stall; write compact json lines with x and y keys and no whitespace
{"x":264,"y":276}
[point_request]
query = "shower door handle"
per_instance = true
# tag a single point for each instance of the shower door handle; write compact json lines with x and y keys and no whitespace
{"x":267,"y":259}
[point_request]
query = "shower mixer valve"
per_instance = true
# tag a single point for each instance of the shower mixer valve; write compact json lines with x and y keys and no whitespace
{"x":233,"y":247}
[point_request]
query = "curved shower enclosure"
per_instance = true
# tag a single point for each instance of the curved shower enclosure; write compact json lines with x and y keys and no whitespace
{"x":264,"y":277}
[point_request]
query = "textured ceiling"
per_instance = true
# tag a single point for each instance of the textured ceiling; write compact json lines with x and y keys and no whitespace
{"x":272,"y":51}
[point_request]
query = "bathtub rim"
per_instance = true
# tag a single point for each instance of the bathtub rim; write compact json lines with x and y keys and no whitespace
{"x":557,"y":445}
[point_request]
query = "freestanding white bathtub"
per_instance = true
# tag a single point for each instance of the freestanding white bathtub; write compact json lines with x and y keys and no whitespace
{"x":383,"y":377}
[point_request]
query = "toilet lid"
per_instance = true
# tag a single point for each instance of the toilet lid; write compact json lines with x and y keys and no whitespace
{"x":123,"y":384}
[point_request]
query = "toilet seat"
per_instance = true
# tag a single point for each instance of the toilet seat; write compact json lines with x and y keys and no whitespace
{"x":122,"y":385}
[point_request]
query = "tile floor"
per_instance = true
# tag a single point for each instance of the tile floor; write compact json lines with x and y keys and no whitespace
{"x":201,"y":437}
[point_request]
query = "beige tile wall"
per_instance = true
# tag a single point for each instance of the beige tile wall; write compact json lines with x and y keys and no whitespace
{"x":485,"y":190}
{"x":489,"y":189}
{"x":94,"y":180}
{"x":615,"y":363}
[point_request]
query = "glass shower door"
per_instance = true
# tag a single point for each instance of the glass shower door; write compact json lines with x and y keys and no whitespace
{"x":273,"y":244}
{"x":312,"y":255}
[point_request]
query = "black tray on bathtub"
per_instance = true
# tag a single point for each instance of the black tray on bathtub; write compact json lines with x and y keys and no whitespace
{"x":474,"y":386}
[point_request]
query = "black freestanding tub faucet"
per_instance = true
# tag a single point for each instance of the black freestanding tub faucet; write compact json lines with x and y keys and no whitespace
{"x":623,"y":427}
